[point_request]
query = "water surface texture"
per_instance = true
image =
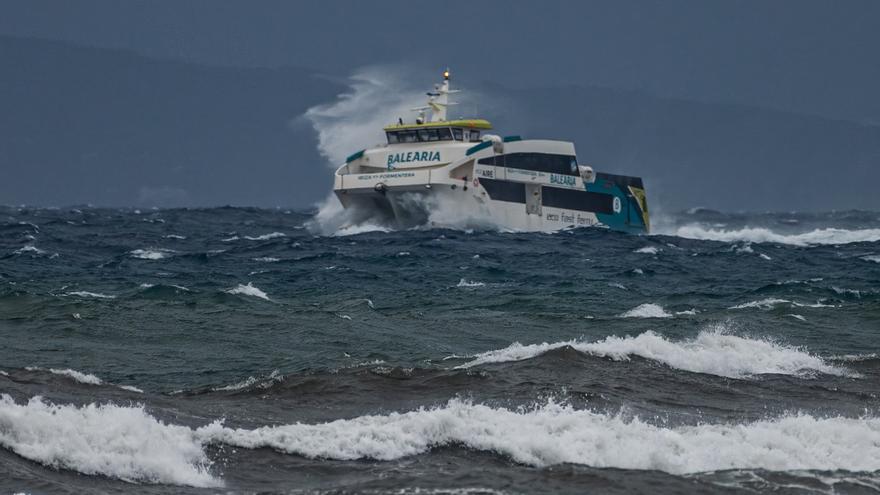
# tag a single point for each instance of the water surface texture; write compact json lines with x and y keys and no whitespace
{"x":236,"y":350}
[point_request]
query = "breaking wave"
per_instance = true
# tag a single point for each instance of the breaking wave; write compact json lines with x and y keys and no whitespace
{"x":554,"y":434}
{"x":712,"y":351}
{"x":129,"y":444}
{"x":248,"y":290}
{"x":760,"y":234}
{"x":647,"y":310}
{"x":120,"y":442}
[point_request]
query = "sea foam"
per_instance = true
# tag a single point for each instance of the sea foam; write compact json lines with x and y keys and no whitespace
{"x":248,"y":290}
{"x":554,"y":434}
{"x":120,"y":442}
{"x":151,"y":254}
{"x":760,"y":234}
{"x":647,"y":310}
{"x":712,"y":351}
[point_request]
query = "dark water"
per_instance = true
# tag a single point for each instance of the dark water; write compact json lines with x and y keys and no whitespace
{"x":235,"y":351}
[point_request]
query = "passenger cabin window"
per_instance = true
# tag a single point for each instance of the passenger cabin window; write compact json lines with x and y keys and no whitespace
{"x":539,"y":162}
{"x":392,"y":137}
{"x":475,"y":135}
{"x":457,"y":133}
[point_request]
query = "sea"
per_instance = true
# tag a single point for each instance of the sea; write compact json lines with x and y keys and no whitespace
{"x":245,"y":350}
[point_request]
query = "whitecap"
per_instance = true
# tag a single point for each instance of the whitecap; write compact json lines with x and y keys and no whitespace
{"x":29,"y":249}
{"x":875,"y":258}
{"x":96,"y":295}
{"x":230,"y":239}
{"x":687,"y":312}
{"x":768,"y":303}
{"x":764,"y":256}
{"x":797,"y":316}
{"x":647,"y":310}
{"x":151,"y":253}
{"x":360,"y":229}
{"x":760,"y":234}
{"x":264,"y":382}
{"x":175,"y":236}
{"x":712,"y":351}
{"x":248,"y":290}
{"x":469,"y":283}
{"x":124,"y":443}
{"x":648,"y":250}
{"x":266,"y":237}
{"x":267,"y":259}
{"x":638,"y":271}
{"x":557,"y":434}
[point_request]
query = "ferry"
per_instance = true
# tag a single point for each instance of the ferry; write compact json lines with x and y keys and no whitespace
{"x":509,"y":182}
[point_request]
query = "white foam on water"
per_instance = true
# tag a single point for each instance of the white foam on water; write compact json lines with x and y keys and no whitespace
{"x":713,"y":351}
{"x":119,"y":442}
{"x":648,"y":250}
{"x":760,"y":234}
{"x":131,"y":388}
{"x":264,"y":382}
{"x":875,"y":258}
{"x":797,"y":316}
{"x":647,"y":310}
{"x":174,"y":236}
{"x":266,"y":237}
{"x":470,"y":283}
{"x":768,"y":303}
{"x":687,"y":312}
{"x":151,"y":253}
{"x":248,"y":290}
{"x":230,"y":239}
{"x":96,"y":295}
{"x":362,"y":228}
{"x":764,"y":256}
{"x":79,"y":376}
{"x":554,"y":434}
{"x":29,"y":249}
{"x":267,"y":259}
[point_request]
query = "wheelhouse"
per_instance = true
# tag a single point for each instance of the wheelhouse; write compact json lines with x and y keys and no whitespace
{"x":454,"y":130}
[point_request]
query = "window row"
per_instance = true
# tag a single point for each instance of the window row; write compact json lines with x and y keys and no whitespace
{"x":539,"y":162}
{"x":433,"y":134}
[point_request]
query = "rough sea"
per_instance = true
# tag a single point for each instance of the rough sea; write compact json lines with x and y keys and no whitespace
{"x":236,"y":350}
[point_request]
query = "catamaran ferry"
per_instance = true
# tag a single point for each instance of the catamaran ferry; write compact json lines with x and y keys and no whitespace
{"x":515,"y":183}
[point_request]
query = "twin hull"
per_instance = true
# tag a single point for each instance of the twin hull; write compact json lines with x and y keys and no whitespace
{"x":508,"y":186}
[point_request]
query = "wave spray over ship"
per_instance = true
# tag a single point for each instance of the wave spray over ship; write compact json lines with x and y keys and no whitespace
{"x":439,"y":171}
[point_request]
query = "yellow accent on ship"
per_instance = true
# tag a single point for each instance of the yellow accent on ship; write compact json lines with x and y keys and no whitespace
{"x":642,"y":200}
{"x":468,"y":123}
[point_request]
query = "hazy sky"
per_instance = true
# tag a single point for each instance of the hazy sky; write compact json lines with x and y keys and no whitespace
{"x":799,"y":55}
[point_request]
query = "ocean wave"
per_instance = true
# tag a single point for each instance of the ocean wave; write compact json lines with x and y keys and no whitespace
{"x":647,"y":310}
{"x":760,"y":234}
{"x":95,"y":295}
{"x":469,"y":283}
{"x":266,"y":237}
{"x":360,"y":229}
{"x":87,"y":378}
{"x":555,"y":434}
{"x":30,"y":248}
{"x":648,"y":250}
{"x":151,"y":253}
{"x":875,"y":258}
{"x":248,"y":290}
{"x":84,"y":378}
{"x":267,"y":259}
{"x":249,"y":382}
{"x":772,"y":302}
{"x":713,"y":351}
{"x":768,"y":303}
{"x":119,"y":442}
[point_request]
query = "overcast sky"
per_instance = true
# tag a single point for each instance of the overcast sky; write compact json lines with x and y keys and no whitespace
{"x":805,"y":56}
